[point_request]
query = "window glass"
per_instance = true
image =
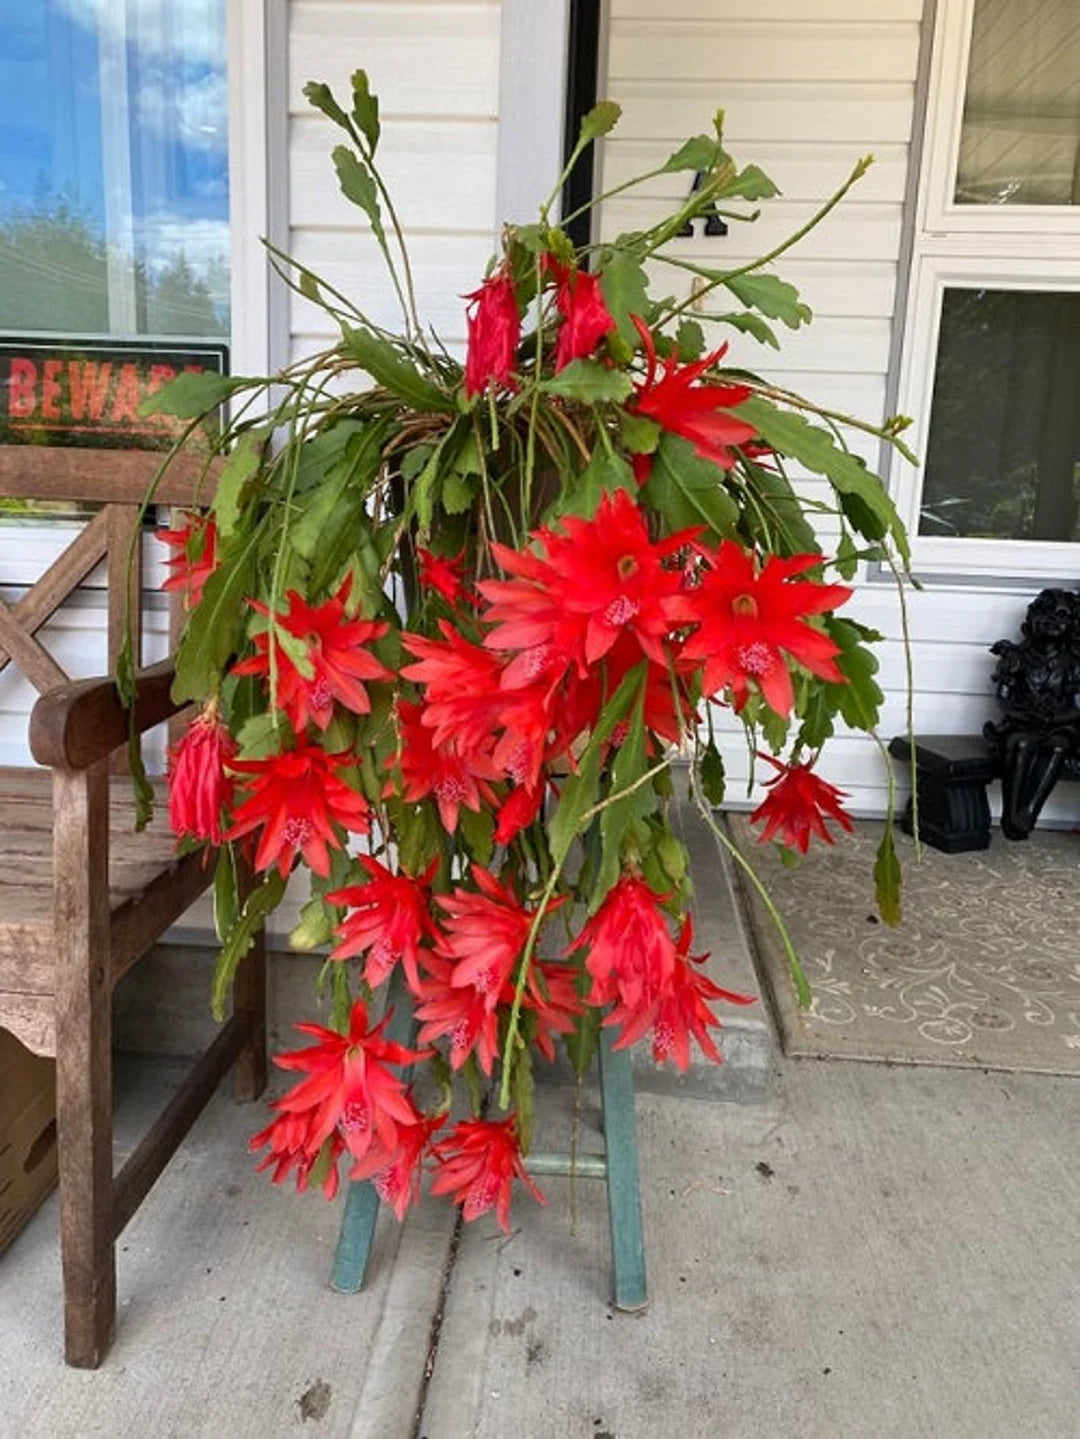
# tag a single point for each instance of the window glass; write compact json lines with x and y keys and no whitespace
{"x":1003,"y":458}
{"x":1020,"y":139}
{"x":113,"y":168}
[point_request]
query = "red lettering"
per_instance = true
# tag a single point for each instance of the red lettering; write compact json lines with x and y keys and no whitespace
{"x":126,"y":397}
{"x":160,"y":375}
{"x":50,"y":390}
{"x":89,"y":385}
{"x":22,"y":388}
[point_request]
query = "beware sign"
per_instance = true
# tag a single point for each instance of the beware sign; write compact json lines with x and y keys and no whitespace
{"x":75,"y":392}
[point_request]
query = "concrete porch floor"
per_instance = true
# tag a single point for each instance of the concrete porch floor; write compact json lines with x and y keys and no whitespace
{"x":871,"y":1251}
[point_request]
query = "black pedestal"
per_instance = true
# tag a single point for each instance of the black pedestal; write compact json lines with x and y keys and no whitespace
{"x":951,"y":774}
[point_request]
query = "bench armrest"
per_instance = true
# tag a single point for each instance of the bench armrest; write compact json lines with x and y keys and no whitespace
{"x":75,"y":725}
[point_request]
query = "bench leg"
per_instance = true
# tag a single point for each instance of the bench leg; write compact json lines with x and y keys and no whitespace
{"x":84,"y":1065}
{"x":249,"y":997}
{"x":623,"y":1179}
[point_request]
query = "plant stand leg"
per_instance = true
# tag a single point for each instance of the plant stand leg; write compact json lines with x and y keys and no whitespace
{"x":362,"y":1201}
{"x":623,"y":1178}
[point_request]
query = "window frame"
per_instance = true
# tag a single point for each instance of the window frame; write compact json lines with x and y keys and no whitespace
{"x":1022,"y":247}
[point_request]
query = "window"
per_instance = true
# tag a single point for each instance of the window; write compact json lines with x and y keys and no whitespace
{"x":991,"y":369}
{"x":114,"y":212}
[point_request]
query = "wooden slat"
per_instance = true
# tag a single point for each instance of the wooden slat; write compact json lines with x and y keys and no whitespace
{"x":44,"y":472}
{"x":140,"y":920}
{"x":31,"y":1018}
{"x":35,"y":661}
{"x":67,"y":571}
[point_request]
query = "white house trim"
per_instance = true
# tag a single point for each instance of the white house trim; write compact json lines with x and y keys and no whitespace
{"x":532,"y":84}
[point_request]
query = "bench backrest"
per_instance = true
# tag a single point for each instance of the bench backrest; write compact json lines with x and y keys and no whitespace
{"x":113,"y":483}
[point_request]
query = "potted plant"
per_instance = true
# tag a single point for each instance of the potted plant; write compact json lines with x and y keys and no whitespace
{"x":451,"y":623}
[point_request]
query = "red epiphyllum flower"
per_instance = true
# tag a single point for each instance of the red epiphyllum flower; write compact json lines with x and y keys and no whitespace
{"x":478,"y":1162}
{"x":680,"y":1011}
{"x":586,"y":318}
{"x":797,"y":805}
{"x":750,"y":618}
{"x":287,"y":1136}
{"x":336,"y":655}
{"x":494,"y":333}
{"x":442,"y":573}
{"x":193,"y":560}
{"x":460,"y":1012}
{"x":630,"y":951}
{"x":298,"y":799}
{"x":602,"y":578}
{"x":200,"y":786}
{"x":426,"y":768}
{"x":389,"y":922}
{"x":399,"y":1183}
{"x":349,"y":1090}
{"x":697,"y":412}
{"x":483,"y":934}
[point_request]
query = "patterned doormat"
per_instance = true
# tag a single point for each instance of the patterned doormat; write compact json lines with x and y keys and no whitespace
{"x":984,"y":971}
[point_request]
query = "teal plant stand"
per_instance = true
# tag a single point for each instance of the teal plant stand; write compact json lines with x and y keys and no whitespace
{"x":618,"y":1165}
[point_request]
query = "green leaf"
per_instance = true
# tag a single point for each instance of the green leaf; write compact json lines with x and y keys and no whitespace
{"x":712,"y":774}
{"x":887,"y":879}
{"x":690,"y":341}
{"x":590,"y":382}
{"x":629,"y":765}
{"x":322,"y":97}
{"x":524,"y":1089}
{"x":640,"y":435}
{"x":750,"y":324}
{"x":259,"y":904}
{"x":581,"y":1045}
{"x":700,"y":152}
{"x":602,"y":475}
{"x":688,"y":490}
{"x":752,"y":184}
{"x":858,"y":701}
{"x":772,"y":296}
{"x":258,"y":737}
{"x":625,"y":289}
{"x":579,"y":790}
{"x":391,"y":370}
{"x":365,"y":109}
{"x":457,"y":493}
{"x":601,"y":119}
{"x":318,"y":920}
{"x":243,"y":462}
{"x":216,"y":626}
{"x":358,"y":185}
{"x":226,"y":892}
{"x":776,"y":520}
{"x":193,"y":394}
{"x":847,"y":557}
{"x":477,"y":830}
{"x":817,"y":721}
{"x":815,"y":448}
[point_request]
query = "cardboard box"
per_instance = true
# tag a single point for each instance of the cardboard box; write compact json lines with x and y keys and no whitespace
{"x":27,"y":1134}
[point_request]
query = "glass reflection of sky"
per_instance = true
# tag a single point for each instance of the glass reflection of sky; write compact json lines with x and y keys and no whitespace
{"x":52,"y":122}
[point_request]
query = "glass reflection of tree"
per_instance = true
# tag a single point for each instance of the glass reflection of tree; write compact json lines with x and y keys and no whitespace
{"x":57,"y":281}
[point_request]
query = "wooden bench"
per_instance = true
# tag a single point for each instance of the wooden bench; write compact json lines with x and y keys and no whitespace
{"x":82,"y":896}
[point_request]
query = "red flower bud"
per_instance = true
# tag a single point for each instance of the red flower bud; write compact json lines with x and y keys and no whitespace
{"x":200,"y":787}
{"x":494,"y":333}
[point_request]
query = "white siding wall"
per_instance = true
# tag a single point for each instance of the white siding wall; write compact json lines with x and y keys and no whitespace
{"x":435,"y":67}
{"x":808,"y":86}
